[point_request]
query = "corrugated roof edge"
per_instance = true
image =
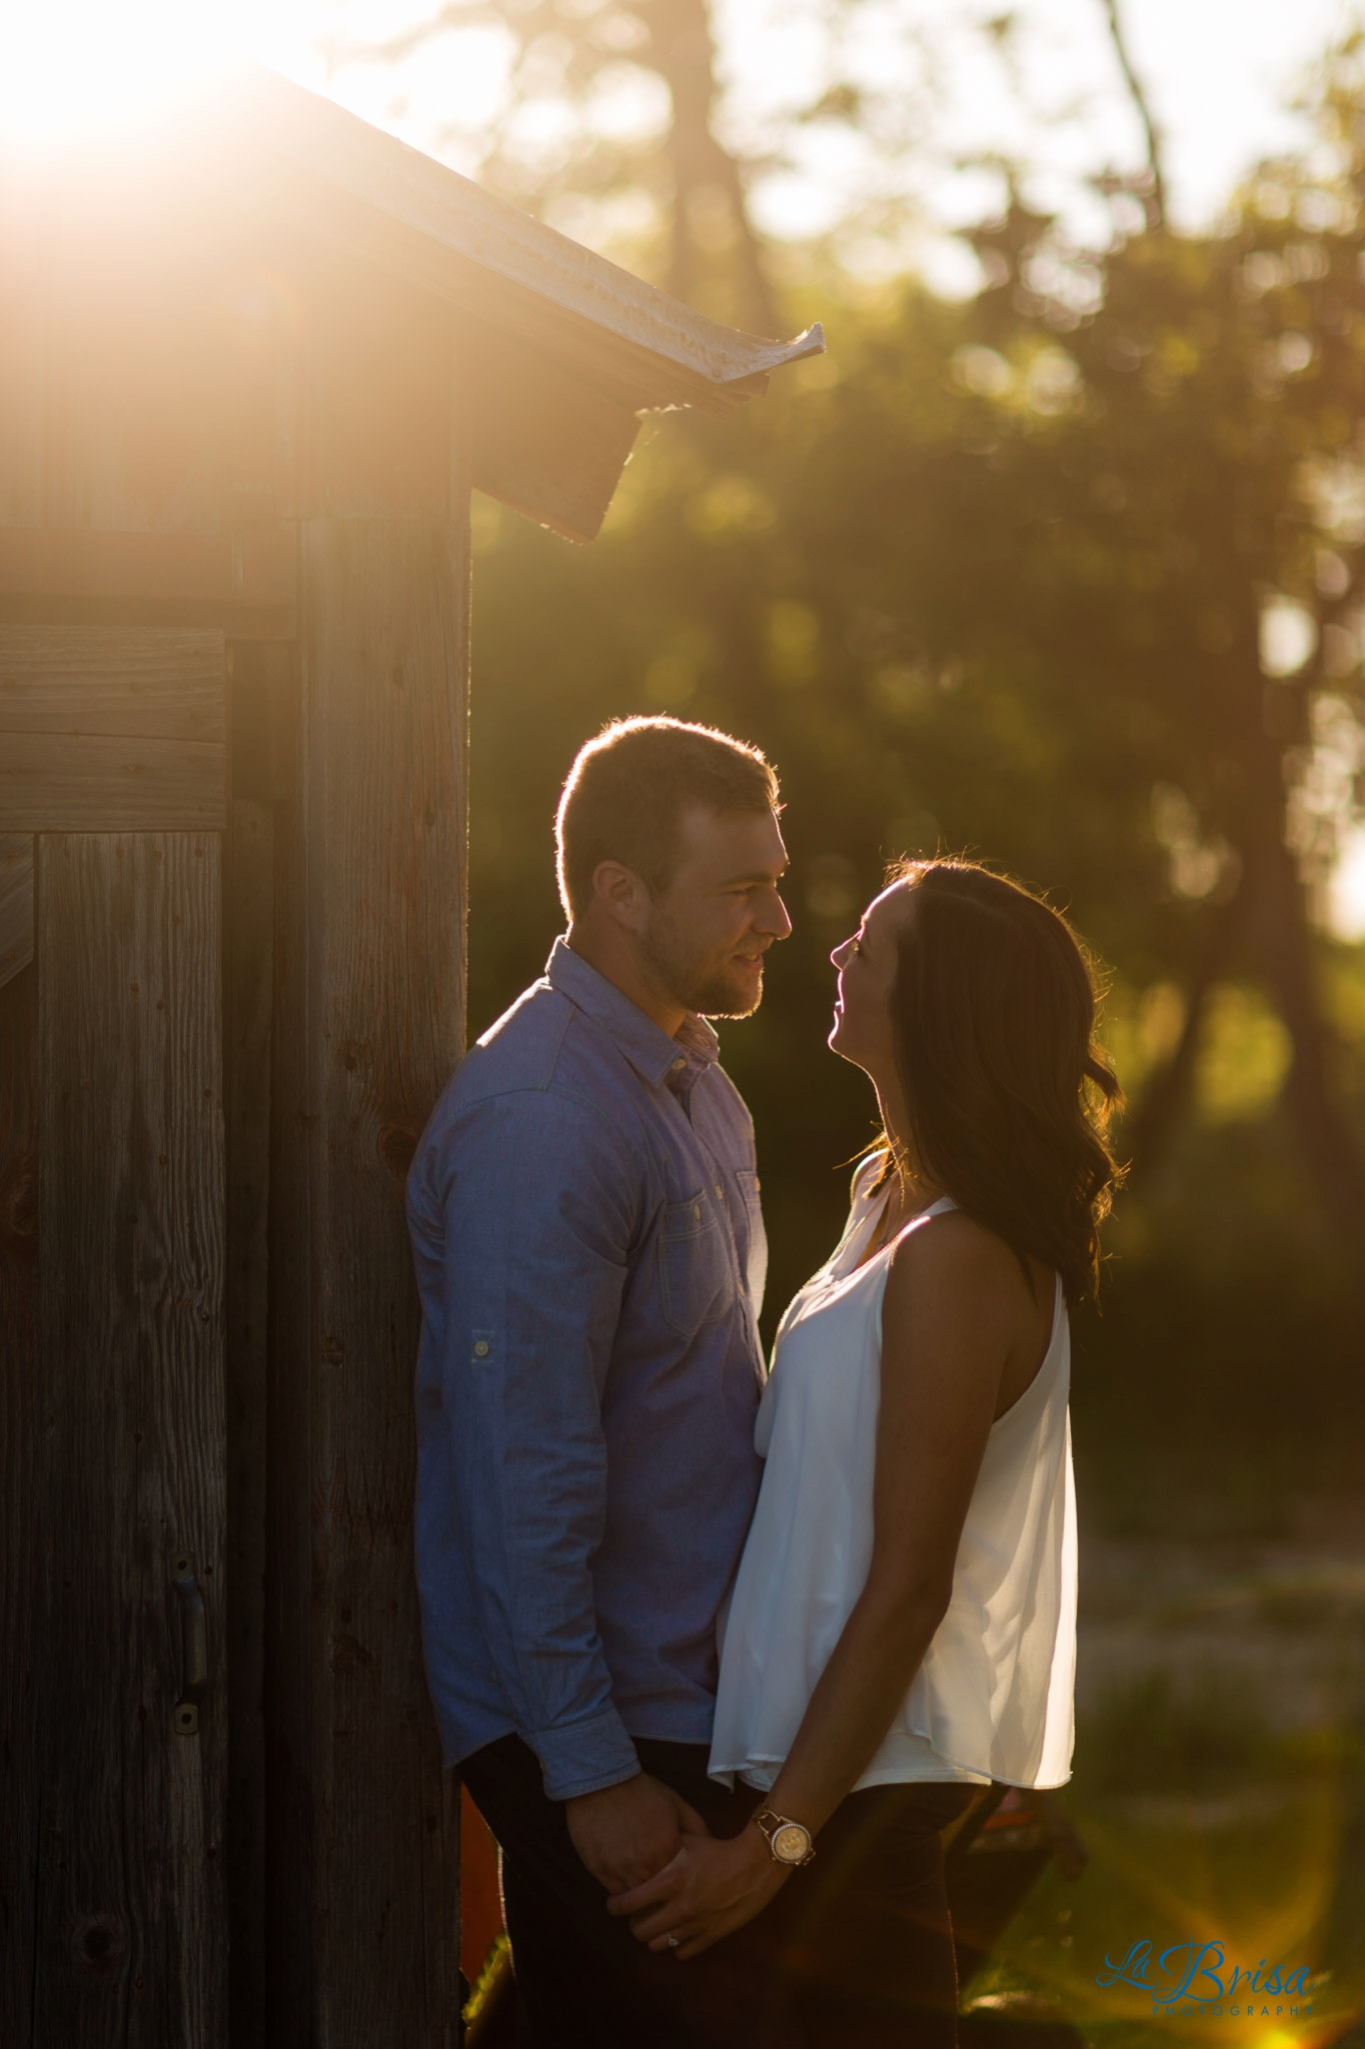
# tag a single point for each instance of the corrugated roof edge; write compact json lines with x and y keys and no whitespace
{"x":371,"y":166}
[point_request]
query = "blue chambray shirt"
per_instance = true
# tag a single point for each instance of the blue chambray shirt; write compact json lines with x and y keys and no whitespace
{"x":590,"y":1255}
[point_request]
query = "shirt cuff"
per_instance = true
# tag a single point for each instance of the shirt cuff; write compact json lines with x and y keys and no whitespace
{"x":586,"y":1757}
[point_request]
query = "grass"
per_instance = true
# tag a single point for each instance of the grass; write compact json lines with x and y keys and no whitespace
{"x":1202,"y":1824}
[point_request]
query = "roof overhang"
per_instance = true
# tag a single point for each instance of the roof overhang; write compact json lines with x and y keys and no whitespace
{"x":426,"y":223}
{"x":565,"y":349}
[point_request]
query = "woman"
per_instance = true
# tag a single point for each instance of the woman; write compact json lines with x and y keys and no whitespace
{"x":902,"y":1626}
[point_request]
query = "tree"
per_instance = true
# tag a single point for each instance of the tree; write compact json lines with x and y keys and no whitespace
{"x":1210,"y":438}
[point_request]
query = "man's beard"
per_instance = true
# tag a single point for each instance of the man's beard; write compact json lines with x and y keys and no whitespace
{"x":710,"y":988}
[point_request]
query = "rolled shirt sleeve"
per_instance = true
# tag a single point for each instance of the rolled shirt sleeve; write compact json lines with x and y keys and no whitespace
{"x":540,"y":1206}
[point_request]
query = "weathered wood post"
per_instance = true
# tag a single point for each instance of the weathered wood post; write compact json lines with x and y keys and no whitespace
{"x":370,"y":988}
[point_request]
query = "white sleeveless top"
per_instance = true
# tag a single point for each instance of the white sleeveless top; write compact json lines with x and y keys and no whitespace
{"x":993,"y":1696}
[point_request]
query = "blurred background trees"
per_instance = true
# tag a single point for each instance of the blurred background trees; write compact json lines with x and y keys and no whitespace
{"x":1068,"y":572}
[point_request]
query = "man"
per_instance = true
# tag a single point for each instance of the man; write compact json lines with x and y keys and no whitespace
{"x":590,"y":1253}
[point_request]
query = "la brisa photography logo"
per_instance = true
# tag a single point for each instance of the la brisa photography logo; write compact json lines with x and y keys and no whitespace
{"x":1195,"y":1980}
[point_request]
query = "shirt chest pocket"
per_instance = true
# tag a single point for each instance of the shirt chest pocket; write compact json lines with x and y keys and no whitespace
{"x":696,"y":1274}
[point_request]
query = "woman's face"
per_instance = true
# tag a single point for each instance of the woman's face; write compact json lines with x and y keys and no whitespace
{"x":867,"y":965}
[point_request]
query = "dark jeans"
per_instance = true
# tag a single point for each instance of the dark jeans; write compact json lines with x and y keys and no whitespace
{"x":855,"y":1952}
{"x":859,"y":1945}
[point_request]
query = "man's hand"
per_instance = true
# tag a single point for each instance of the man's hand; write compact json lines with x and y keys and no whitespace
{"x":626,"y":1833}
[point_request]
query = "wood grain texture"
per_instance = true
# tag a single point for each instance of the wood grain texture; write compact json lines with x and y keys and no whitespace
{"x":248,"y":924}
{"x":161,"y":684}
{"x":147,"y":378}
{"x":375,"y":1009}
{"x":149,"y":337}
{"x":131,"y":1928}
{"x":252,"y":571}
{"x":133,"y":365}
{"x":20,"y":1537}
{"x":541,"y":441}
{"x":290,"y":1965}
{"x":86,"y":782}
{"x":264,"y":744}
{"x":16,"y":903}
{"x":374,"y":426}
{"x":22,"y":258}
{"x":102,"y":730}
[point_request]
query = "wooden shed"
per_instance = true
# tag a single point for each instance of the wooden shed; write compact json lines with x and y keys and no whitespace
{"x":250,"y":368}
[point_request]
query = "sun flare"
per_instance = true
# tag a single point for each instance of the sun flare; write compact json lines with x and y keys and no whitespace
{"x":79,"y":68}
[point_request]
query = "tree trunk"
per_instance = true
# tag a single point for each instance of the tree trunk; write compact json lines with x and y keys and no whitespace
{"x":683,"y":52}
{"x":1284,"y":943}
{"x":1165,"y":1100}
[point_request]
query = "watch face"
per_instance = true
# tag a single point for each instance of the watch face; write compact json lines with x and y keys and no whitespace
{"x":790,"y":1842}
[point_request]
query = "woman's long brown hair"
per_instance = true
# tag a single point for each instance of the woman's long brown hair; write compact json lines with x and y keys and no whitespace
{"x":1008,"y":1094}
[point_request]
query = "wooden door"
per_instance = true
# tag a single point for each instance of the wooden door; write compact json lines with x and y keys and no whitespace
{"x":112,"y":1682}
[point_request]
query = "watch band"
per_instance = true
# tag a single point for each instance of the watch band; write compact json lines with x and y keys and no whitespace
{"x":789,"y":1841}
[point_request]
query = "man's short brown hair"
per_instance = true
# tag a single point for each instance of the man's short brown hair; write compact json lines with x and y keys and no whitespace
{"x":628,"y":789}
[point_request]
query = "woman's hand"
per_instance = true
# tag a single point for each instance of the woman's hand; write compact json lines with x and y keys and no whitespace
{"x":712,"y":1886}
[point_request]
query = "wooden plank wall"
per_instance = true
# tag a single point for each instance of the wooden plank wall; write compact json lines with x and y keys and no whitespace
{"x":106,"y":730}
{"x":110,"y":1045}
{"x":116,"y":513}
{"x":368,"y":1029}
{"x":147,"y":431}
{"x":167,"y":415}
{"x":130,"y":1921}
{"x":290,"y":1965}
{"x":248,"y":971}
{"x":19,"y":1535}
{"x":16,"y":903}
{"x":263,"y":755}
{"x":244,"y":581}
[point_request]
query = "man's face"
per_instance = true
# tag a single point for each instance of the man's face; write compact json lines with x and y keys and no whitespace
{"x":707,"y":933}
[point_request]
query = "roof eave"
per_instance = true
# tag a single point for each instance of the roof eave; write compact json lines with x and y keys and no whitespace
{"x":414,"y":216}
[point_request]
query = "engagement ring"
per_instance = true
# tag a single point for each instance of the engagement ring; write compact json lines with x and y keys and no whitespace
{"x":673,"y":1942}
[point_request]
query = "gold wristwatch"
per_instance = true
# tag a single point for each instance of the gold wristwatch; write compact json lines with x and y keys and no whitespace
{"x":789,"y":1841}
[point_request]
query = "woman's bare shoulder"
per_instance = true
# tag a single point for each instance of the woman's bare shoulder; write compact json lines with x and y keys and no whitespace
{"x":952,"y":1260}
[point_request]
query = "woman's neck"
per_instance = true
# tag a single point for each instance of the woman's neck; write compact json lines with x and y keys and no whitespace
{"x":915,"y":1190}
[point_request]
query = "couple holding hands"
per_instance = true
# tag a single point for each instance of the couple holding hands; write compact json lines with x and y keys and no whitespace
{"x":719,"y":1651}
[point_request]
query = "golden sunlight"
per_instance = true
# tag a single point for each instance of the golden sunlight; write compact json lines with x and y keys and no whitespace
{"x":78,"y":68}
{"x":1346,"y":891}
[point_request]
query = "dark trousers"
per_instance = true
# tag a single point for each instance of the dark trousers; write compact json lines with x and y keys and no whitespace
{"x":855,"y":1951}
{"x":862,"y":1958}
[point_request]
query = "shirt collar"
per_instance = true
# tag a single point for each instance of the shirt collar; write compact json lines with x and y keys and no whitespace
{"x":655,"y":1057}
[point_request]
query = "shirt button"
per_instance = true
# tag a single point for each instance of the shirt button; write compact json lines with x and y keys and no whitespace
{"x":677,"y":1064}
{"x":481,"y":1349}
{"x":719,"y":1189}
{"x":696,"y":1211}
